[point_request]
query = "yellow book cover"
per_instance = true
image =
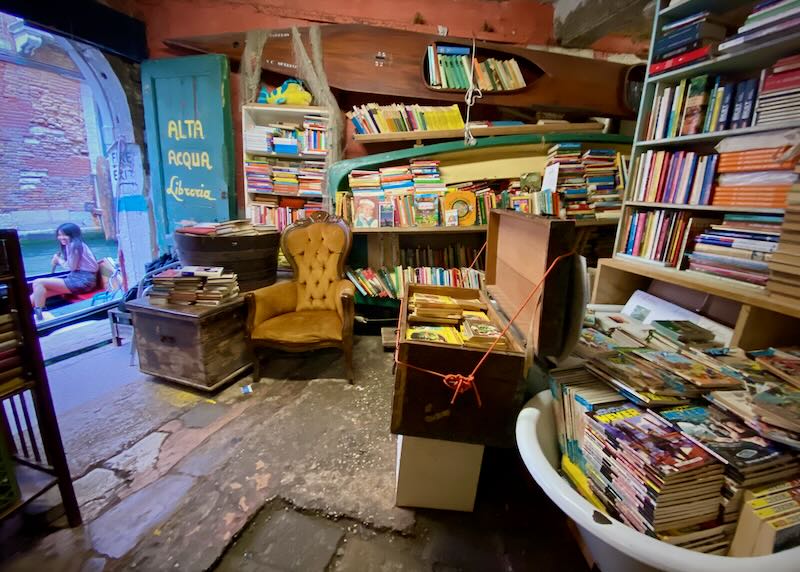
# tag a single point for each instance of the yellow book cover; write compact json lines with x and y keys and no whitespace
{"x":464,"y":203}
{"x":580,"y":481}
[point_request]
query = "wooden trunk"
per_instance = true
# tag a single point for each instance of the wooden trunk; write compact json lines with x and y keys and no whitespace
{"x":520,"y":249}
{"x":254,"y":259}
{"x":203,"y":347}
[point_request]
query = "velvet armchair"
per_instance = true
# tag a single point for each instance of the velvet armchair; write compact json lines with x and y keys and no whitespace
{"x":315,"y":309}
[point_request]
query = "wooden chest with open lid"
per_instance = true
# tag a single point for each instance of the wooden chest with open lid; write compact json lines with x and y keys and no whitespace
{"x":520,"y":249}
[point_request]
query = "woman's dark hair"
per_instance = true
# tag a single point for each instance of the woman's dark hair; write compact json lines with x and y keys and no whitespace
{"x":73,"y":231}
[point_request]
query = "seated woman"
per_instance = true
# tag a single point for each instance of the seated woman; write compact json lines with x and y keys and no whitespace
{"x":76,"y":257}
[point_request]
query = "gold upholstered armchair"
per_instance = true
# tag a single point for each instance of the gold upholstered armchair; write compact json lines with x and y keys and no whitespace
{"x":315,"y":309}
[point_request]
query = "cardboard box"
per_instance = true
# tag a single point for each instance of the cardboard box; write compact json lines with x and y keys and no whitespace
{"x":437,"y":474}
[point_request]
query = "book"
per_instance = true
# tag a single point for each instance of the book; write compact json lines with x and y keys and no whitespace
{"x":695,"y":109}
{"x":436,"y":334}
{"x":784,"y":364}
{"x":682,"y":330}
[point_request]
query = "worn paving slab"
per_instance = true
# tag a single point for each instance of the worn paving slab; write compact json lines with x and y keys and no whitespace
{"x":285,"y":540}
{"x":118,"y":530}
{"x":95,"y":491}
{"x":381,"y":554}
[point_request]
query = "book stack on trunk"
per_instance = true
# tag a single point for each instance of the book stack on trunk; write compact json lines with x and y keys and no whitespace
{"x":784,"y":264}
{"x":749,"y":459}
{"x":646,"y":473}
{"x":739,"y":248}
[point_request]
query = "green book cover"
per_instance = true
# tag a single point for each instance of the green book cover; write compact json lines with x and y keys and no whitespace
{"x":695,"y":107}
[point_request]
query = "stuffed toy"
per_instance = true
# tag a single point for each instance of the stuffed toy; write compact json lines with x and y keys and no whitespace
{"x":291,"y":92}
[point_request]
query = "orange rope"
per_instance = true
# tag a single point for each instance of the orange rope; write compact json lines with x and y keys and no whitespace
{"x":462,"y":383}
{"x":477,"y":256}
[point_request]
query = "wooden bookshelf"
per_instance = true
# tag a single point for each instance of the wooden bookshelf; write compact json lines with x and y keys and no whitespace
{"x":480,"y":132}
{"x":762,"y":320}
{"x":750,"y":58}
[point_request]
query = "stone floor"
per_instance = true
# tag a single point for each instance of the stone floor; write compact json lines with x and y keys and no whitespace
{"x":297,"y":475}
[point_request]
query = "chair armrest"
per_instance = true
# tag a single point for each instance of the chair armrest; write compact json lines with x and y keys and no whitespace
{"x":270,"y":301}
{"x":343,"y":296}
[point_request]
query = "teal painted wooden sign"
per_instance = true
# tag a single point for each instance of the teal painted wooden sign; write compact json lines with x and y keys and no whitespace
{"x":187,"y":111}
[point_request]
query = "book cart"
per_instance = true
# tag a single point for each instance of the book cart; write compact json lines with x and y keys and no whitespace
{"x":444,"y":430}
{"x":28,"y":427}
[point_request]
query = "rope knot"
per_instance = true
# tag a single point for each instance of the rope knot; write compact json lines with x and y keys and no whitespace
{"x":461,"y":384}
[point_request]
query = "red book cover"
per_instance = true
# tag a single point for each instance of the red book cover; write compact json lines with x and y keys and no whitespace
{"x":637,"y":240}
{"x":680,"y":60}
{"x":670,"y":192}
{"x":662,"y":237}
{"x":781,"y":81}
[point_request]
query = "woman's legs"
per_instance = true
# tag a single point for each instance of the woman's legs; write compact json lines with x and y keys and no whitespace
{"x":44,"y":288}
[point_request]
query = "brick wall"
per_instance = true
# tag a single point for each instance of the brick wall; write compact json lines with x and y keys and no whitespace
{"x":44,"y":158}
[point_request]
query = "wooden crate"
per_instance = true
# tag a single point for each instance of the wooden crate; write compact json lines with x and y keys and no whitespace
{"x":203,"y":347}
{"x":520,"y":249}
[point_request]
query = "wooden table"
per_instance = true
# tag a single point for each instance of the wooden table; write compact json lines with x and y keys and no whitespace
{"x":200,"y":346}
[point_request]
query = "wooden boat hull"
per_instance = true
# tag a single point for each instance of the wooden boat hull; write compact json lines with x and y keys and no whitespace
{"x":367,"y":59}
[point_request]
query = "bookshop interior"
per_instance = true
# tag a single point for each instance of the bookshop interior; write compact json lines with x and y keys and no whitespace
{"x":400,"y":286}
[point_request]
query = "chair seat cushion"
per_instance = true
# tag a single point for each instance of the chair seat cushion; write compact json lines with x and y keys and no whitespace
{"x":303,"y":327}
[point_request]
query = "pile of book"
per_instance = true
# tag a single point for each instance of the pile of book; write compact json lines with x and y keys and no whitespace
{"x":563,"y":185}
{"x":769,"y":521}
{"x":239,"y":227}
{"x":284,"y":178}
{"x":12,"y":372}
{"x":398,"y":118}
{"x":455,"y":321}
{"x":288,"y":138}
{"x":676,"y":177}
{"x":738,"y":248}
{"x":426,"y":176}
{"x":784,"y":263}
{"x":646,"y":473}
{"x":603,"y":184}
{"x":391,"y":283}
{"x":754,"y":176}
{"x":258,"y":176}
{"x":769,"y":19}
{"x":204,"y":286}
{"x":448,"y":67}
{"x":310,"y":177}
{"x":779,"y":96}
{"x":688,"y":40}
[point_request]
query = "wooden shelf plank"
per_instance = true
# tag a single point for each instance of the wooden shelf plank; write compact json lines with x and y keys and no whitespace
{"x":710,"y":285}
{"x":717,"y":136}
{"x":480,"y":132}
{"x":752,"y":57}
{"x":714,"y":208}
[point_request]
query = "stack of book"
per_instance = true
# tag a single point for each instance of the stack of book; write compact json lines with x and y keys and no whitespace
{"x":12,"y":373}
{"x":769,"y":521}
{"x":434,"y":309}
{"x":284,"y":178}
{"x":478,"y":331}
{"x":398,"y":118}
{"x":258,"y":140}
{"x":426,"y":176}
{"x":779,"y":96}
{"x":784,"y":263}
{"x":750,"y":460}
{"x":172,"y":287}
{"x":688,"y":40}
{"x":258,"y":176}
{"x":367,"y":196}
{"x":310,"y":177}
{"x":280,"y":212}
{"x":601,"y":173}
{"x":239,"y":227}
{"x":563,"y":185}
{"x":315,"y":135}
{"x":218,"y":289}
{"x":448,"y":67}
{"x":738,"y":248}
{"x":768,"y":20}
{"x":646,"y":473}
{"x":755,"y":177}
{"x":678,"y":177}
{"x":398,"y":200}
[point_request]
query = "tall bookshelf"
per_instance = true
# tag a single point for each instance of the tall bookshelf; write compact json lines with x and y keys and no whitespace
{"x":761,"y":319}
{"x":264,"y":115}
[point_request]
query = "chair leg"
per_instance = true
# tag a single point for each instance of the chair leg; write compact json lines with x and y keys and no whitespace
{"x":256,"y":366}
{"x":348,"y":361}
